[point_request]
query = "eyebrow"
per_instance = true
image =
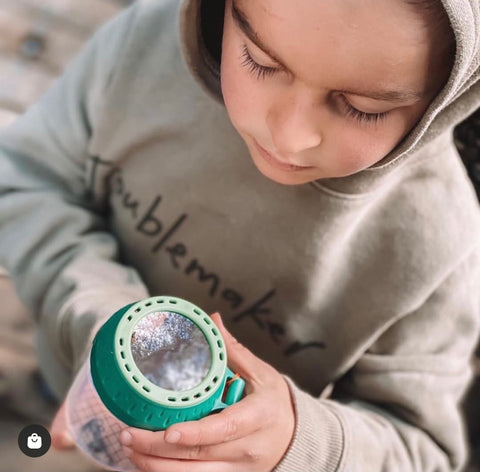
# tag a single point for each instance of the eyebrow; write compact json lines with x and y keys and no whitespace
{"x":387,"y":95}
{"x":241,"y":20}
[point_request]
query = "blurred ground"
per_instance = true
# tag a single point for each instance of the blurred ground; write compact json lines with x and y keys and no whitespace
{"x":37,"y":39}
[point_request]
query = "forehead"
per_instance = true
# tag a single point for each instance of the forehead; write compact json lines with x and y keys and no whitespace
{"x":351,"y":42}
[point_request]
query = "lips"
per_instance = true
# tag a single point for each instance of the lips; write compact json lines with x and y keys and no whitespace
{"x":275,"y":162}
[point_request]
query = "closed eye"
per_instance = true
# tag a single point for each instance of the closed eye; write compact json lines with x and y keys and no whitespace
{"x":253,"y":67}
{"x":361,"y":116}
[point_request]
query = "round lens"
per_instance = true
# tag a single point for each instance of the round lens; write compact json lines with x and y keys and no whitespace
{"x":170,"y":351}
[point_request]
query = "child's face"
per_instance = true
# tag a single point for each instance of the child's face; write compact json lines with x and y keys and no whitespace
{"x":377,"y":57}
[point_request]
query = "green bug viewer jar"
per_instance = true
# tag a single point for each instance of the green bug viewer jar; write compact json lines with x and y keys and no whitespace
{"x":153,"y":363}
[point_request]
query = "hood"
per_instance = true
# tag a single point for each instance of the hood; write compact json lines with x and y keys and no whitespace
{"x":458,"y":99}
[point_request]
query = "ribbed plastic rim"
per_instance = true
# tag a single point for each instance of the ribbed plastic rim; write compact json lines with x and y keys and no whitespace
{"x":133,"y":375}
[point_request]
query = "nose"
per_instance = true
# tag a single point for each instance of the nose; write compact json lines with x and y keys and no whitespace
{"x":293,"y":122}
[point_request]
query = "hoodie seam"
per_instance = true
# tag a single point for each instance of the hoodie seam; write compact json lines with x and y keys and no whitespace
{"x":339,"y":195}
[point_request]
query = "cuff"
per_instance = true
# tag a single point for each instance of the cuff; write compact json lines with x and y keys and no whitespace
{"x":318,"y":441}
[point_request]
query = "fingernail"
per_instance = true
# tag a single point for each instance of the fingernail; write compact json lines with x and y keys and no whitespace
{"x":172,"y":437}
{"x":220,"y":318}
{"x":125,"y":438}
{"x":67,"y":440}
{"x":127,"y":451}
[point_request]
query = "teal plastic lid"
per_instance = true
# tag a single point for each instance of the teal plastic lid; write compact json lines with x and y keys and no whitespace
{"x":137,"y":400}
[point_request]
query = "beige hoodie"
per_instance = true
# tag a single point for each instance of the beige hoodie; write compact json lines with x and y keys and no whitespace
{"x":127,"y":179}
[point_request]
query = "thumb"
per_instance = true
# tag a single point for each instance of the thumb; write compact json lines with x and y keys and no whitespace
{"x":240,"y":359}
{"x":61,"y":438}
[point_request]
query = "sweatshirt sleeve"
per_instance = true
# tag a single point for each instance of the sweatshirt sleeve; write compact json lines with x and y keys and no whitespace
{"x":397,"y":409}
{"x":54,"y":236}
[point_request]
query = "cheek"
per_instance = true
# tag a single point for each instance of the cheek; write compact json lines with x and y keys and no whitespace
{"x":232,"y":91}
{"x":356,"y":151}
{"x":236,"y":96}
{"x":243,"y":104}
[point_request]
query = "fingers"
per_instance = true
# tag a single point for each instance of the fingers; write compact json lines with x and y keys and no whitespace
{"x":161,"y":464}
{"x":237,"y":421}
{"x":235,"y":455}
{"x":61,"y":438}
{"x":154,"y":444}
{"x":240,"y":359}
{"x":197,"y":438}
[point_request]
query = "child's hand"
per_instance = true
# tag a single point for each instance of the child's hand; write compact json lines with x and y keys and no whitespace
{"x":61,"y":438}
{"x":252,"y":434}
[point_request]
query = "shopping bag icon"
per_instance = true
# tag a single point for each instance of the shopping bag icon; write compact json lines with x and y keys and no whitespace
{"x":34,"y":441}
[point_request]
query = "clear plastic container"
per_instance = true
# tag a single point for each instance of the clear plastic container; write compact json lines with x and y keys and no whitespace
{"x":92,"y":426}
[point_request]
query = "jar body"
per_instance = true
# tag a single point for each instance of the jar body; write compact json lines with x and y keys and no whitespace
{"x":93,"y":427}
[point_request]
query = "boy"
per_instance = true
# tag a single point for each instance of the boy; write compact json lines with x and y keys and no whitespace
{"x":346,"y":252}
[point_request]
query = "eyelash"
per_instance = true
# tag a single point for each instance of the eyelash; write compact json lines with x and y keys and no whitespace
{"x":254,"y":68}
{"x":361,"y":116}
{"x":261,"y":72}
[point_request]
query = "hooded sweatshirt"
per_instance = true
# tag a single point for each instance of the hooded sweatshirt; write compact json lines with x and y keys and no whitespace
{"x":128,"y":180}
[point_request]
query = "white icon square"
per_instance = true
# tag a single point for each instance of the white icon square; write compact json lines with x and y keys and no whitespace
{"x":34,"y":441}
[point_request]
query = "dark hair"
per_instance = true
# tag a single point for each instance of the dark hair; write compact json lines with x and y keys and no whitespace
{"x":212,"y":13}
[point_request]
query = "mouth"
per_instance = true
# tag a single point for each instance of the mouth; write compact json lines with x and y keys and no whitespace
{"x":277,"y":163}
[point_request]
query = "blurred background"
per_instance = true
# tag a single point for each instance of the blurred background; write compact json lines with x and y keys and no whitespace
{"x":37,"y":40}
